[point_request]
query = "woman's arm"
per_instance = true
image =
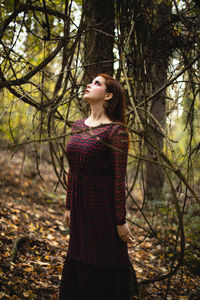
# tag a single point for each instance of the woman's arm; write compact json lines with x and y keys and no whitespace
{"x":119,"y":152}
{"x":119,"y":142}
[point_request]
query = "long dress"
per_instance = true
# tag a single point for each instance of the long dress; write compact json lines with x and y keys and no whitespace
{"x":97,"y":265}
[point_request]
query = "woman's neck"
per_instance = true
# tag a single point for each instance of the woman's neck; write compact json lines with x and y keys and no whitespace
{"x":97,"y":117}
{"x":97,"y":113}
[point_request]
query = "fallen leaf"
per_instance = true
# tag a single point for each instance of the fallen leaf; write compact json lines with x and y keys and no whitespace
{"x":2,"y":294}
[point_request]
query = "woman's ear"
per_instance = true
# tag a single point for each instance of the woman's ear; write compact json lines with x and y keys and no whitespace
{"x":108,"y":96}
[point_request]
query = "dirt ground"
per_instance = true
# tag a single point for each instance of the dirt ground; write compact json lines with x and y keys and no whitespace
{"x":34,"y":240}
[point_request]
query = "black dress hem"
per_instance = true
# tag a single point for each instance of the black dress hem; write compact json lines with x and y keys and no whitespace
{"x":81,"y":281}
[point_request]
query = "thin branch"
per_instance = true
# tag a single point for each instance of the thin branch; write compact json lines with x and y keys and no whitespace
{"x":22,"y":80}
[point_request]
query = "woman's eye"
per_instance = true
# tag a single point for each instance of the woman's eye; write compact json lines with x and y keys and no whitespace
{"x":97,"y":82}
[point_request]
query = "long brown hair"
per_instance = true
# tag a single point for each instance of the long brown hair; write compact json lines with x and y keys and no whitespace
{"x":115,"y":107}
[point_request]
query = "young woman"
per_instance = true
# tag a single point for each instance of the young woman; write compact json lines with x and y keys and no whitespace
{"x":97,"y":266}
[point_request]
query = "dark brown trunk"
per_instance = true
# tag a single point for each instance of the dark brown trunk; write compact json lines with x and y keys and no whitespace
{"x":157,"y":76}
{"x":154,"y":176}
{"x":147,"y":58}
{"x":99,"y":38}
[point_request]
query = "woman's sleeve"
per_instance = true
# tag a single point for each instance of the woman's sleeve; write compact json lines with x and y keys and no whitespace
{"x":119,"y":152}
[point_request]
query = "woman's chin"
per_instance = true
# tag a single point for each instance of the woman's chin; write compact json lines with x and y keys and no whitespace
{"x":85,"y":97}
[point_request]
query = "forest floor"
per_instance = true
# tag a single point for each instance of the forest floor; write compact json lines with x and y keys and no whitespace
{"x":34,"y":240}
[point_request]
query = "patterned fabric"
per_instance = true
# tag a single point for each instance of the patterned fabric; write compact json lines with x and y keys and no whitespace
{"x":85,"y":282}
{"x":97,"y":266}
{"x":96,"y":193}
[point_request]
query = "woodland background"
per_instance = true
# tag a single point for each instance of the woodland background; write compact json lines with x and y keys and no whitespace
{"x":49,"y":51}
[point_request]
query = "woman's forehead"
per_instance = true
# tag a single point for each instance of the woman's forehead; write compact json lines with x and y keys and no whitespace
{"x":100,"y":78}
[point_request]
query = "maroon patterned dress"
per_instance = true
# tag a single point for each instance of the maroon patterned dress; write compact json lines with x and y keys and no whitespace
{"x":97,"y":266}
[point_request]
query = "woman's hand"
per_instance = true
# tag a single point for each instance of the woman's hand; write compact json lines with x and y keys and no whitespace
{"x":66,"y":219}
{"x":125,"y":233}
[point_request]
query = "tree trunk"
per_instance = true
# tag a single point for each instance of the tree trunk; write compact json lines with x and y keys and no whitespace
{"x":99,"y":38}
{"x":154,"y":176}
{"x":157,"y":76}
{"x":147,"y":58}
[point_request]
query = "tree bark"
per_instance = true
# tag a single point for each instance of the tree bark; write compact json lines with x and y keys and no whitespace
{"x":157,"y":76}
{"x":149,"y":49}
{"x":154,"y":176}
{"x":99,"y":38}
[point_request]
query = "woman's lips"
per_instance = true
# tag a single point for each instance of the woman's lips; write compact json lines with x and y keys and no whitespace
{"x":86,"y":91}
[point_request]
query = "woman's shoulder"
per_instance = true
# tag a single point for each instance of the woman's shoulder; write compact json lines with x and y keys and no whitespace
{"x":78,"y":123}
{"x":119,"y":128}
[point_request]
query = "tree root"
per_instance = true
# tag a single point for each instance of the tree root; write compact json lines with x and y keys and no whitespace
{"x":15,"y":247}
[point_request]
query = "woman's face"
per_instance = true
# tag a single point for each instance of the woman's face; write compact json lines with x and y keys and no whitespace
{"x":96,"y":91}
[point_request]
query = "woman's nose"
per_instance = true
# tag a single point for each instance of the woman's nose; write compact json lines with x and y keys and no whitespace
{"x":88,"y":85}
